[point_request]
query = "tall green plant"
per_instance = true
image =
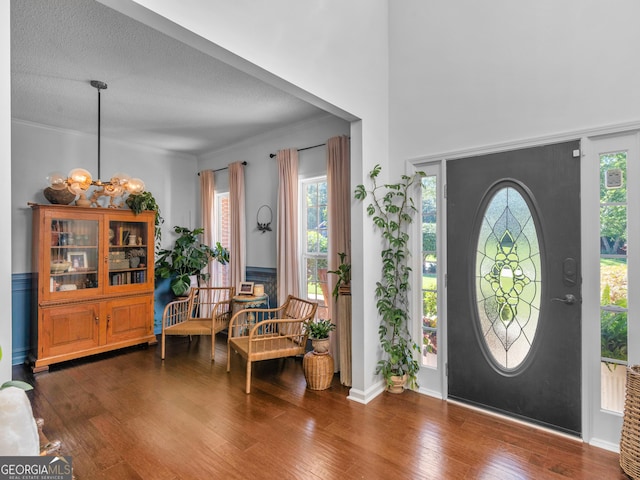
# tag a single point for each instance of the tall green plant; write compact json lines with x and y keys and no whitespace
{"x":187,"y":258}
{"x":392,"y":209}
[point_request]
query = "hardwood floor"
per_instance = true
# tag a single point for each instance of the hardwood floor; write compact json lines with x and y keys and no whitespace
{"x":131,"y":416}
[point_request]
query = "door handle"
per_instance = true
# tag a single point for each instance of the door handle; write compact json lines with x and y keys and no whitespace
{"x":568,"y":299}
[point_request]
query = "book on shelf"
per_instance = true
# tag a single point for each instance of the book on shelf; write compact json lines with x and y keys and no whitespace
{"x":126,"y":278}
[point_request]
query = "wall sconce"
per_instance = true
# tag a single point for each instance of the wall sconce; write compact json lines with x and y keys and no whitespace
{"x":79,"y":180}
{"x":264,"y":219}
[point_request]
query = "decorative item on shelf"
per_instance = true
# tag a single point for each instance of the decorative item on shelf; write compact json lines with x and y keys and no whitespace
{"x":79,"y":180}
{"x":60,"y":266}
{"x":245,"y":288}
{"x":78,"y":261}
{"x":59,"y":197}
{"x":135,"y":256}
{"x":118,"y":261}
{"x":63,"y":239}
{"x":258,"y":289}
{"x":264,"y":218}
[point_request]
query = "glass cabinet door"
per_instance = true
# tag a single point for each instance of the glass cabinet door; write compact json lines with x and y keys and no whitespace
{"x":128,"y":251}
{"x":73,"y":254}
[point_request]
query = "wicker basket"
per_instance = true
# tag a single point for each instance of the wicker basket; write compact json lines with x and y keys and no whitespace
{"x":630,"y":437}
{"x":318,"y":370}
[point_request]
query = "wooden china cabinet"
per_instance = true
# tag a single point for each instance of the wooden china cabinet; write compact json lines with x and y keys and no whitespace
{"x":94,"y":281}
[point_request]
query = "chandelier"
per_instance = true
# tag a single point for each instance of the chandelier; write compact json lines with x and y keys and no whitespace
{"x":79,"y":180}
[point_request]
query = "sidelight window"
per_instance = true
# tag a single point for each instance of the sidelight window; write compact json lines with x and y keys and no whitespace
{"x":429,"y":271}
{"x":613,"y":279}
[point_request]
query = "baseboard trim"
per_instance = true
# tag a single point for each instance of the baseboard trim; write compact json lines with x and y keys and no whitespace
{"x":366,"y":396}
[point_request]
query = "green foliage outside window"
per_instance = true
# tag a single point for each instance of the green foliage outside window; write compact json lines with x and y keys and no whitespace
{"x":429,"y":322}
{"x":613,"y":327}
{"x":429,"y":237}
{"x":316,"y":242}
{"x":613,"y":218}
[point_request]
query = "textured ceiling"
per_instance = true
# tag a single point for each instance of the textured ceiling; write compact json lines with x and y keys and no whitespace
{"x":160,"y":92}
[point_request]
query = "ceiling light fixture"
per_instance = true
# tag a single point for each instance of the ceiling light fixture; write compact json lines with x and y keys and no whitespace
{"x":79,"y":180}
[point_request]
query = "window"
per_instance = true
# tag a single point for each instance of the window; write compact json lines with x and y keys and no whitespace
{"x":429,"y":272}
{"x":508,"y":272}
{"x":220,"y":274}
{"x":315,"y":242}
{"x":613,"y":279}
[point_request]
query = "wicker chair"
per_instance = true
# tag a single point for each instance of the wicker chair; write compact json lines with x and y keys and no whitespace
{"x":206,"y":311}
{"x":266,"y":333}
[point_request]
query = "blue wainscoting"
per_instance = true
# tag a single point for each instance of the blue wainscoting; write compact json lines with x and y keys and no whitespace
{"x":21,"y":295}
{"x":267,"y":277}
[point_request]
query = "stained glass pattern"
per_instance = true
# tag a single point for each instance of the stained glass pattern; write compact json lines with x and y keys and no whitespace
{"x":508,"y":278}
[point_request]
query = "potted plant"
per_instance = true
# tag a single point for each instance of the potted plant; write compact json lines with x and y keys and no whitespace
{"x":318,"y":331}
{"x":391,"y":209}
{"x":140,"y":202}
{"x":186,"y":259}
{"x":343,"y":272}
{"x":317,"y":365}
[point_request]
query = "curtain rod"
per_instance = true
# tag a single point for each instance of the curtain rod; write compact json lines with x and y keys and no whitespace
{"x":223,"y":168}
{"x":271,"y":155}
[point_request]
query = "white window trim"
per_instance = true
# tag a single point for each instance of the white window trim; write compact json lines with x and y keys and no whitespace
{"x":600,"y":427}
{"x":432,"y":381}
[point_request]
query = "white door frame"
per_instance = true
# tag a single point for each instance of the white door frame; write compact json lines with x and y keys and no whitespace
{"x":599,"y":428}
{"x":604,"y":426}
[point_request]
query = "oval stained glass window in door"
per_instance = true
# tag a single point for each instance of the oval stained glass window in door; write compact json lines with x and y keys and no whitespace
{"x":508,"y":273}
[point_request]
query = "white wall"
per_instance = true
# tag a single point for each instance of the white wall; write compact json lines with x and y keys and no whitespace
{"x":326,"y":51}
{"x":261,"y":174}
{"x":468,"y":76}
{"x":465,"y":74}
{"x":5,"y":187}
{"x":38,"y":150}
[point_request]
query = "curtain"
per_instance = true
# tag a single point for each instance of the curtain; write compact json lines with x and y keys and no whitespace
{"x":287,"y":229}
{"x":339,"y":193}
{"x":208,"y":209}
{"x":238,"y":247}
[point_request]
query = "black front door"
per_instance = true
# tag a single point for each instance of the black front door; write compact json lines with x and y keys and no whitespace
{"x":513,"y":283}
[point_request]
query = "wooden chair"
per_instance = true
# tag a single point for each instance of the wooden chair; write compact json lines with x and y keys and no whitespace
{"x":206,"y":311}
{"x":266,"y":333}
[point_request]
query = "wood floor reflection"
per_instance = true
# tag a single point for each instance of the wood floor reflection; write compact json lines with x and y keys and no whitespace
{"x":131,"y":416}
